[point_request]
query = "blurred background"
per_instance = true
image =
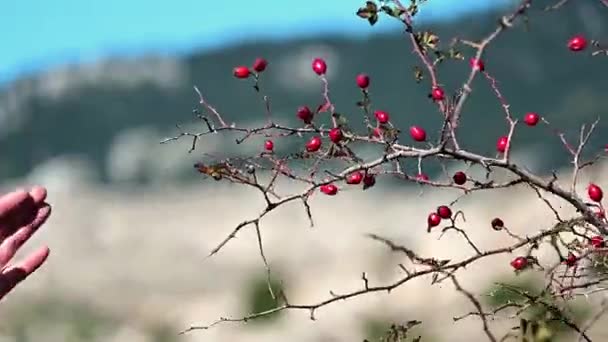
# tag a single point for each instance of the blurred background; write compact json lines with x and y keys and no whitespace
{"x":89,"y":89}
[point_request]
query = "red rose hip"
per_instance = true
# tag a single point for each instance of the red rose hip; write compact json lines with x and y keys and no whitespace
{"x":329,"y":189}
{"x":354,"y":178}
{"x":362,"y":81}
{"x":241,"y":72}
{"x":381,"y":116}
{"x":418,"y":133}
{"x":377,"y":132}
{"x":305,"y":114}
{"x":433,"y":221}
{"x":459,"y":178}
{"x":319,"y":66}
{"x":597,"y":241}
{"x":260,"y":64}
{"x":268,"y":145}
{"x":477,"y":64}
{"x":519,"y":263}
{"x":502,"y":143}
{"x":369,"y":180}
{"x":595,"y":192}
{"x":437,"y":94}
{"x":314,"y":144}
{"x":422,"y":177}
{"x":531,"y":119}
{"x":497,"y":224}
{"x":577,"y":43}
{"x":335,"y":135}
{"x":571,"y":259}
{"x":444,"y":212}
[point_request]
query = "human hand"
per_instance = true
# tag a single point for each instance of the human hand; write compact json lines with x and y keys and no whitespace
{"x":21,"y":214}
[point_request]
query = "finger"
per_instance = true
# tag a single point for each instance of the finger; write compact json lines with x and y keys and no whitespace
{"x":10,"y":246}
{"x":38,"y":193}
{"x":11,"y":201}
{"x":13,"y":275}
{"x":20,"y":215}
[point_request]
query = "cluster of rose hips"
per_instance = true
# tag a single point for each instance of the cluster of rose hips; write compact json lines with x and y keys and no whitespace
{"x":443,"y":212}
{"x":358,"y":177}
{"x":418,"y":134}
{"x":259,"y":65}
{"x":306,"y":115}
{"x":596,"y":194}
{"x":576,"y":43}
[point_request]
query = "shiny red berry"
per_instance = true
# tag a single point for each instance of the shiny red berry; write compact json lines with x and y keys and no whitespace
{"x":354,"y":178}
{"x":519,"y":263}
{"x":314,"y":144}
{"x":477,"y":64}
{"x":497,"y":224}
{"x":377,"y":132}
{"x":381,"y":116}
{"x":422,"y":177}
{"x":597,"y":241}
{"x":444,"y":212}
{"x":502,"y":143}
{"x":362,"y":81}
{"x":595,"y":192}
{"x":268,"y":145}
{"x":329,"y":189}
{"x":305,"y":114}
{"x":260,"y":64}
{"x":577,"y":43}
{"x":369,"y":180}
{"x":571,"y":260}
{"x":319,"y":66}
{"x":531,"y":119}
{"x":335,"y":135}
{"x":241,"y":72}
{"x":459,"y":178}
{"x":418,"y":133}
{"x":433,"y":220}
{"x":438,"y":94}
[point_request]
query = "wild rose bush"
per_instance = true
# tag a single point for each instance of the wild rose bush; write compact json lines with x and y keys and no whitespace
{"x":329,"y":160}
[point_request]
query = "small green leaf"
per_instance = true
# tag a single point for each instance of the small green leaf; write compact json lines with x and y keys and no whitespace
{"x":371,"y":6}
{"x":373,"y":19}
{"x":413,"y":10}
{"x":369,"y":12}
{"x":395,"y":12}
{"x":418,"y":74}
{"x":455,"y":54}
{"x":363,"y":13}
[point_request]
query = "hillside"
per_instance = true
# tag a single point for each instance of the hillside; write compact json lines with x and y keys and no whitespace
{"x":88,"y":110}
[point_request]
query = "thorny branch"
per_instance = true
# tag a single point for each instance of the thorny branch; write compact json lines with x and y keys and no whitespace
{"x":584,"y":227}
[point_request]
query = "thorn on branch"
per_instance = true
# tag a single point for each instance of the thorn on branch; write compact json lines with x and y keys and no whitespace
{"x":365,"y":281}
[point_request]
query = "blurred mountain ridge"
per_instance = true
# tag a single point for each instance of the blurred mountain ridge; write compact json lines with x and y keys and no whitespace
{"x":85,"y":111}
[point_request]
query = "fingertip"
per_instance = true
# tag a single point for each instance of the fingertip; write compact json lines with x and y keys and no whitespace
{"x":44,"y":209}
{"x":36,"y":259}
{"x":38,"y":193}
{"x":46,"y":251}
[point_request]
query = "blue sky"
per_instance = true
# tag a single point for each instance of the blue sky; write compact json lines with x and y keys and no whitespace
{"x":38,"y":34}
